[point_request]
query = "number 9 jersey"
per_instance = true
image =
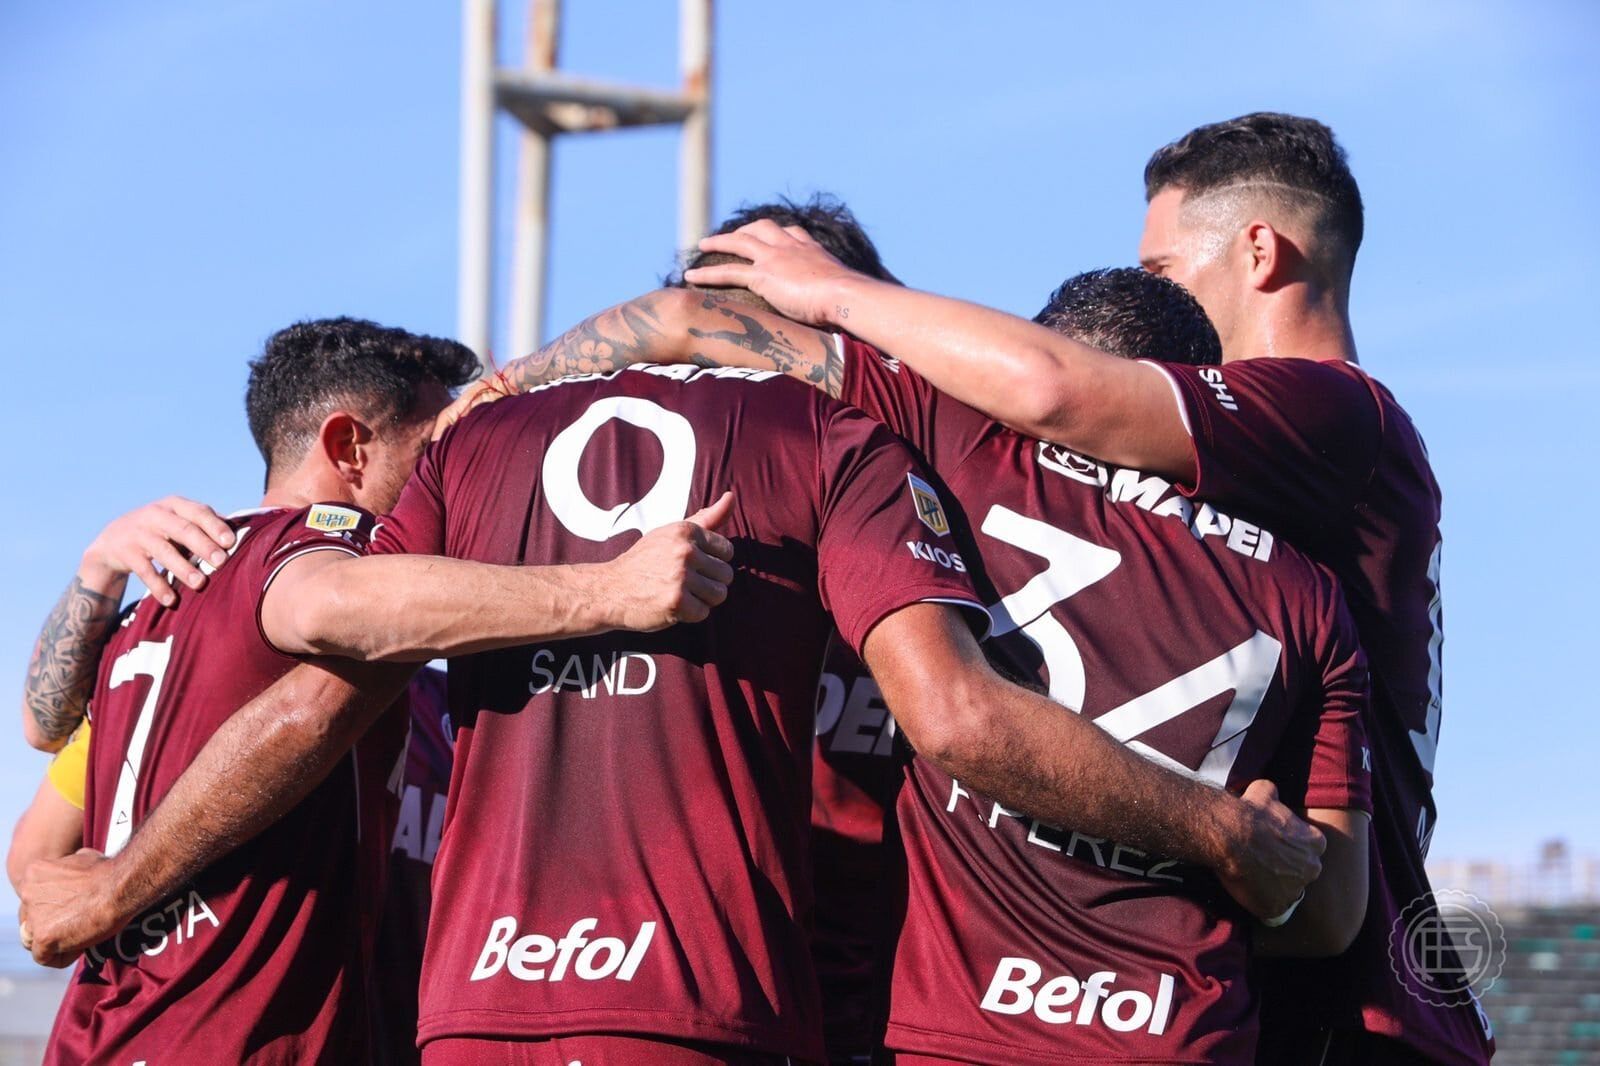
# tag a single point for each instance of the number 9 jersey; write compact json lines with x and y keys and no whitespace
{"x":1198,"y":640}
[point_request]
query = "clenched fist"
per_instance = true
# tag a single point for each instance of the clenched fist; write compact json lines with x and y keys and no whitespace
{"x":1276,"y":855}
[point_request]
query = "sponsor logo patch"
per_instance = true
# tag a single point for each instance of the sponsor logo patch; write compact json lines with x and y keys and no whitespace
{"x":929,"y":510}
{"x":332,"y":519}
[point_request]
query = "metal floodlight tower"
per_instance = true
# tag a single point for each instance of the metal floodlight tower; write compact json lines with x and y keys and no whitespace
{"x":547,"y":102}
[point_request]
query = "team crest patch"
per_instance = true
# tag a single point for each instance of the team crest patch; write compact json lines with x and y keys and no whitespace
{"x":929,"y":510}
{"x":332,"y":519}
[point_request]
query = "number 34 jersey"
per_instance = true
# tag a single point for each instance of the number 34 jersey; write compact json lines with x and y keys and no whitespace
{"x":1198,"y":640}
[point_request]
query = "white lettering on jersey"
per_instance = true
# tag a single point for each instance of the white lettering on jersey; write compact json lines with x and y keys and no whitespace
{"x":1012,"y":991}
{"x":175,"y":923}
{"x":1071,"y":844}
{"x":1157,"y":496}
{"x":1212,"y":376}
{"x":624,"y":673}
{"x":947,"y":559}
{"x":667,"y":501}
{"x":595,"y":960}
{"x":685,"y":372}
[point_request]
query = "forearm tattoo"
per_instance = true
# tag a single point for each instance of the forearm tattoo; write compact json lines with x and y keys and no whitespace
{"x":62,"y":672}
{"x":636,"y":333}
{"x":816,"y":363}
{"x":599,"y":344}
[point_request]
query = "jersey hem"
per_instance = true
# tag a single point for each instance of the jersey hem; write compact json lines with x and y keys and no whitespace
{"x":503,"y":1024}
{"x":917,"y":1041}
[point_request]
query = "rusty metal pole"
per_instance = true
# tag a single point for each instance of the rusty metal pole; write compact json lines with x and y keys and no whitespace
{"x":694,"y":152}
{"x":531,"y":252}
{"x":475,"y":266}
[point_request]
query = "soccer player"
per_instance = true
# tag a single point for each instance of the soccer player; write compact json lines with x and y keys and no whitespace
{"x":170,"y":533}
{"x":1261,"y":218}
{"x":264,"y":956}
{"x":1191,"y":635}
{"x":854,"y":777}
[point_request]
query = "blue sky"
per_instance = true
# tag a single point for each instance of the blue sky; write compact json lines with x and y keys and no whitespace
{"x":179,"y":178}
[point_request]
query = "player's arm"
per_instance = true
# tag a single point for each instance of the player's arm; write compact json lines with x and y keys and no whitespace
{"x":1328,"y":919}
{"x":1021,"y":374}
{"x":50,"y":828}
{"x":254,"y":769}
{"x":1034,"y":757}
{"x":412,"y":608}
{"x":66,"y":655}
{"x":668,"y":326}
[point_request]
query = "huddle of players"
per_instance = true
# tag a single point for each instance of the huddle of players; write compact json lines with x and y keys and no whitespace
{"x":624,"y":871}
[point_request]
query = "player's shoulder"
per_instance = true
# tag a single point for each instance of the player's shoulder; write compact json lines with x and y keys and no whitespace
{"x":269,"y":538}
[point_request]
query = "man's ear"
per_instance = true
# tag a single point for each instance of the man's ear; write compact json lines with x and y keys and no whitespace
{"x":344,"y":441}
{"x":1273,"y":259}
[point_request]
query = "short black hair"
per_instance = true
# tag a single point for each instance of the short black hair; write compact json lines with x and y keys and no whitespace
{"x":825,"y":217}
{"x":1135,"y":314}
{"x":310,"y":368}
{"x":1297,"y":159}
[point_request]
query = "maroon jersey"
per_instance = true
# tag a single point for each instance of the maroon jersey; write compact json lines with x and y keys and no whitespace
{"x":1197,"y":639}
{"x":1322,"y":453}
{"x":263,"y":958}
{"x":860,"y":875}
{"x":625,"y":847}
{"x":404,"y":928}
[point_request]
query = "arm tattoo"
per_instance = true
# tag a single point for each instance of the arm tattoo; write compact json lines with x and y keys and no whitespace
{"x":815,"y":362}
{"x":635,"y":333}
{"x":62,"y":672}
{"x":599,"y":344}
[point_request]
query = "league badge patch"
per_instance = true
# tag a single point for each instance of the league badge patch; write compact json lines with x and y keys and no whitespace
{"x":332,"y":519}
{"x":929,"y":510}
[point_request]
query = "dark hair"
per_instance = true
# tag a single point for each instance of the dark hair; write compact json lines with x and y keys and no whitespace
{"x":829,"y":222}
{"x":1137,"y":315}
{"x":310,"y":368}
{"x":1295,"y":159}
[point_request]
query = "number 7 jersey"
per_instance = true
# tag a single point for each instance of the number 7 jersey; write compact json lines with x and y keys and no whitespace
{"x":263,"y":957}
{"x":1198,"y":640}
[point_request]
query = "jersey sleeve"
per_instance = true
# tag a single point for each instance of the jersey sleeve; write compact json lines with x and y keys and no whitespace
{"x":1331,"y":727}
{"x":416,"y":525}
{"x":1288,"y":441}
{"x":70,"y":768}
{"x":886,"y":539}
{"x":320,"y":527}
{"x":942,"y":428}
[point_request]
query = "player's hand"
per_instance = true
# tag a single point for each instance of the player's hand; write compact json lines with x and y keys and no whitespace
{"x":484,"y":390}
{"x":67,"y":907}
{"x":1274,"y":857}
{"x":787,"y":268}
{"x":676,"y":573}
{"x":168,"y":532}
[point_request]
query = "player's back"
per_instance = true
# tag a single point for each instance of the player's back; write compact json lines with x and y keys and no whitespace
{"x":1198,"y":640}
{"x":626,"y":846}
{"x":262,"y":958}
